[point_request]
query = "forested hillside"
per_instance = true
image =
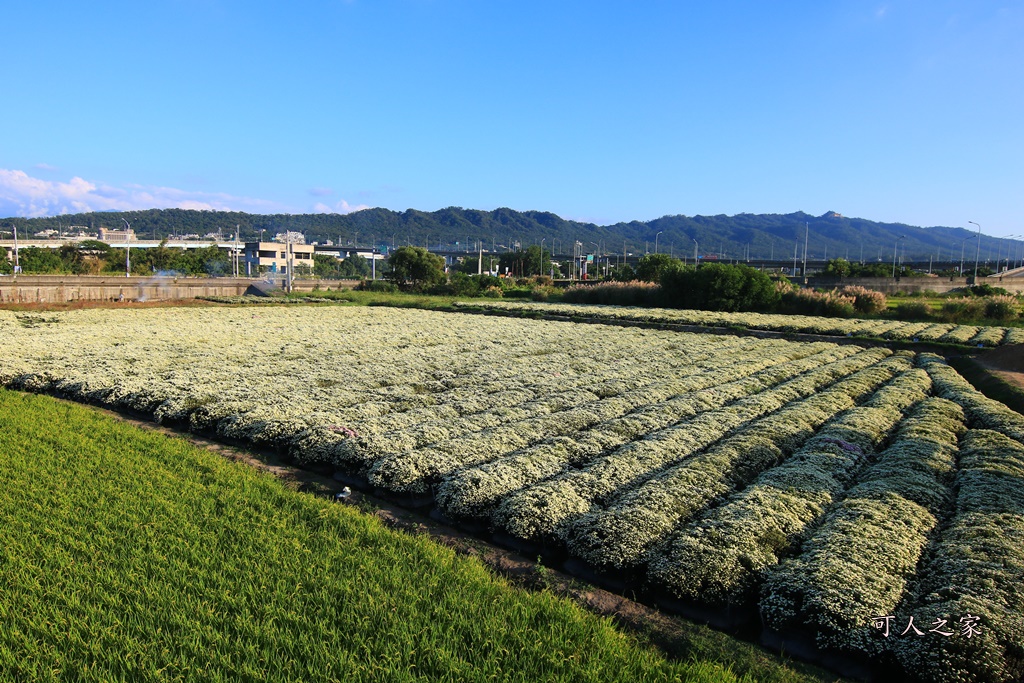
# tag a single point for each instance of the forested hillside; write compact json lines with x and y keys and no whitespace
{"x":743,"y":236}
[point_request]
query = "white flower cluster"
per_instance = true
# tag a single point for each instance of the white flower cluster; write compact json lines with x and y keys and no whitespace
{"x":842,"y":327}
{"x":474,"y":491}
{"x":532,"y":514}
{"x":975,"y":567}
{"x":403,"y":462}
{"x":857,"y":564}
{"x":619,"y":534}
{"x":719,"y":557}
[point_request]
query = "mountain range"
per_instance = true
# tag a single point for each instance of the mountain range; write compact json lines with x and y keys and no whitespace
{"x":739,"y":237}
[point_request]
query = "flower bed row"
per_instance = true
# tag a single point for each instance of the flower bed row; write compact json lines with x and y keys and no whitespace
{"x":635,"y":384}
{"x":720,"y":557}
{"x":968,"y":335}
{"x":474,"y":491}
{"x":857,"y":564}
{"x":543,"y":511}
{"x":974,"y":569}
{"x":619,"y":534}
{"x":981,"y":410}
{"x":417,"y":470}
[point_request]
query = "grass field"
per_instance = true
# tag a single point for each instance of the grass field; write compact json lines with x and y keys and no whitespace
{"x":128,"y":555}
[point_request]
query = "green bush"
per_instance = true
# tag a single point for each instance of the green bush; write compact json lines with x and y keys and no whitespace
{"x":1002,"y":308}
{"x":614,"y":293}
{"x":378,"y":286}
{"x":914,"y":310}
{"x":963,"y":309}
{"x":719,"y":287}
{"x":986,"y":289}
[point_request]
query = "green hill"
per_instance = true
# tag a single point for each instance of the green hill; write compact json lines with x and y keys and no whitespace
{"x":739,"y":237}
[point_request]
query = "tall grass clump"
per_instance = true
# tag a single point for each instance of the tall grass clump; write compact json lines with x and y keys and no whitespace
{"x":635,"y":293}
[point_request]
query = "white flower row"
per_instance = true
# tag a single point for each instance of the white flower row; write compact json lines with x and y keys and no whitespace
{"x":975,"y":567}
{"x":543,"y":510}
{"x":474,"y":491}
{"x":981,"y":410}
{"x":719,"y":557}
{"x":889,"y":329}
{"x":619,"y":534}
{"x":631,"y":379}
{"x":858,"y":563}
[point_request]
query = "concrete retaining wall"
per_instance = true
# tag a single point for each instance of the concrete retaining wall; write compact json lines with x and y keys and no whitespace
{"x":63,"y":288}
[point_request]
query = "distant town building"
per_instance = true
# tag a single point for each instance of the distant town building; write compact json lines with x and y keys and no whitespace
{"x":112,"y":236}
{"x":272,"y":257}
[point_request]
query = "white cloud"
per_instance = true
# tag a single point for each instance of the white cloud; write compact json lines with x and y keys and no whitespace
{"x":46,"y":167}
{"x":24,"y":195}
{"x":340,"y":207}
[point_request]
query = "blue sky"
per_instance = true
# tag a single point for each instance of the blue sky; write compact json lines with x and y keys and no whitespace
{"x":902,"y":111}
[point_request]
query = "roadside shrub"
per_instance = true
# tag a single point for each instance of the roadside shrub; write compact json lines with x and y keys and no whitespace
{"x":379,"y":286}
{"x":719,"y":287}
{"x":914,"y":310}
{"x":614,"y":293}
{"x":493,"y":292}
{"x":797,"y":301}
{"x":962,"y":309}
{"x":543,"y":292}
{"x":986,"y":289}
{"x":867,"y":301}
{"x":1002,"y":307}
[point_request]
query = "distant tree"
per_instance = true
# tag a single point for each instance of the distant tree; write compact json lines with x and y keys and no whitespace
{"x":6,"y":267}
{"x":415,"y":268}
{"x":623,"y":273}
{"x":331,"y":267}
{"x":41,"y":260}
{"x":838,"y":267}
{"x":470,"y":264}
{"x":651,"y":266}
{"x":719,"y":287}
{"x":533,"y":261}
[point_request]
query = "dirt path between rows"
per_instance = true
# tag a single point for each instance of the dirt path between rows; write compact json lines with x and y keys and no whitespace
{"x":1006,"y":363}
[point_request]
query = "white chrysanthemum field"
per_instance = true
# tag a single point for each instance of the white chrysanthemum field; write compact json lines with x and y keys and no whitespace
{"x":827,"y":494}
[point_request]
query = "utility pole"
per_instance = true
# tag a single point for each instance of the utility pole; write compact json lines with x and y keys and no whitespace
{"x":894,"y":248}
{"x":128,"y":249}
{"x":977,"y":254}
{"x":17,"y":264}
{"x":807,"y":234}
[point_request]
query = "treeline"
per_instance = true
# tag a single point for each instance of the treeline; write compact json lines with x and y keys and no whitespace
{"x":92,"y":257}
{"x":738,"y":238}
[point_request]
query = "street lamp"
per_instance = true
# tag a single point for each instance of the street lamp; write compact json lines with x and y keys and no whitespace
{"x":695,"y":247}
{"x":656,"y":241}
{"x":962,"y":242}
{"x":895,"y":246}
{"x":128,"y":250}
{"x":542,"y":239}
{"x":977,"y":254}
{"x":807,"y":237}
